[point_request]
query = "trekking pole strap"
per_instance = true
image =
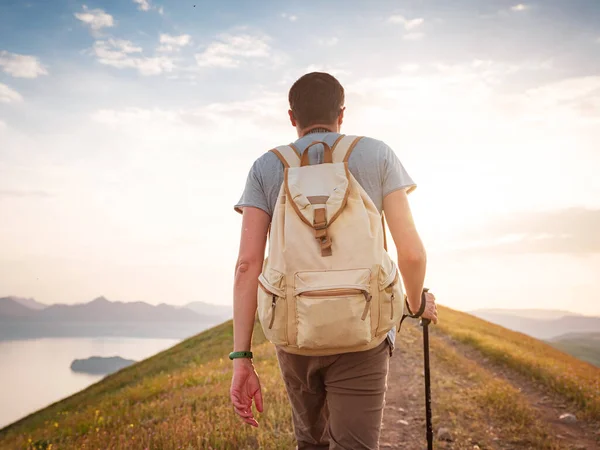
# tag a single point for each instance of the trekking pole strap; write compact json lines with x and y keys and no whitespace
{"x":419,"y":312}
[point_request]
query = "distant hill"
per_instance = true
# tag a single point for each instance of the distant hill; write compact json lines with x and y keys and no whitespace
{"x":100,"y":317}
{"x":585,"y":346}
{"x":542,"y":328}
{"x":10,"y":308}
{"x":541,"y":314}
{"x":210,"y":309}
{"x":30,"y":303}
{"x":98,"y":365}
{"x":102,"y":310}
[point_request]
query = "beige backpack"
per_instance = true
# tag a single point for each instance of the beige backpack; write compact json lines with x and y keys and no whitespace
{"x":328,"y":284}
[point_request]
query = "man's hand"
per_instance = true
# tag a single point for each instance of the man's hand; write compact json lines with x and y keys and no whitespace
{"x":245,"y":387}
{"x":430,"y":308}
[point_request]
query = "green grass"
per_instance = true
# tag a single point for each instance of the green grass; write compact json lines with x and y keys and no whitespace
{"x":575,"y":380}
{"x":585,"y":346}
{"x":476,"y":405}
{"x":178,"y":399}
{"x":476,"y":401}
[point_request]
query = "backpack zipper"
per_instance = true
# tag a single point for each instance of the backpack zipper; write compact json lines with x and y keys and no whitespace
{"x":392,"y":298}
{"x":273,"y":303}
{"x":336,"y":292}
{"x":341,"y":292}
{"x":368,"y":298}
{"x":273,"y":306}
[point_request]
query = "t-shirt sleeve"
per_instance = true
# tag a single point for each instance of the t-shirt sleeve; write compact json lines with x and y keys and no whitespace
{"x":395,"y":176}
{"x":254,"y":193}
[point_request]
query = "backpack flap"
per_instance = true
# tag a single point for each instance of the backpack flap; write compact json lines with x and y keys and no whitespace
{"x":318,"y":194}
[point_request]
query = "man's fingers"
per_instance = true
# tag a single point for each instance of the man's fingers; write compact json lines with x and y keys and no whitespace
{"x":241,"y":406}
{"x":247,"y":416}
{"x":243,"y":413}
{"x":258,"y":400}
{"x":252,"y":422}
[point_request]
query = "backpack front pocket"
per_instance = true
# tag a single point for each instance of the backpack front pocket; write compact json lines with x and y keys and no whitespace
{"x":333,"y":308}
{"x":272,"y":308}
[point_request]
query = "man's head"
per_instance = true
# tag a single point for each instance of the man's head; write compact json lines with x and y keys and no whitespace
{"x":316,"y":100}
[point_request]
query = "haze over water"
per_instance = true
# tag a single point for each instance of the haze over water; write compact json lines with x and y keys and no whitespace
{"x":36,"y":373}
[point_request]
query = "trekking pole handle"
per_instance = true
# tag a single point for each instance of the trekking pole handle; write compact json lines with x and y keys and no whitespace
{"x":424,"y":322}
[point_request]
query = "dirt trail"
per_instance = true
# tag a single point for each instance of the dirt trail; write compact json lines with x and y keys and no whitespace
{"x":404,"y":415}
{"x":404,"y":402}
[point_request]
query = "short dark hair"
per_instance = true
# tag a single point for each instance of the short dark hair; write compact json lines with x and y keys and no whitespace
{"x":316,"y":98}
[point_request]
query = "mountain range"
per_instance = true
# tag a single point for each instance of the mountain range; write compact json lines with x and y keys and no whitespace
{"x":23,"y":318}
{"x":541,"y":324}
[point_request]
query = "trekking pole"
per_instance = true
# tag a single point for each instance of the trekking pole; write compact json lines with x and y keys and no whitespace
{"x":425,"y":324}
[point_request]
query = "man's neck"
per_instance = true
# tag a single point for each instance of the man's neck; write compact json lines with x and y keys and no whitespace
{"x":317,"y":129}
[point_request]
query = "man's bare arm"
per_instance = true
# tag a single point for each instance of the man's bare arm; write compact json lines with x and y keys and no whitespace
{"x":255,"y":225}
{"x":412,"y":258}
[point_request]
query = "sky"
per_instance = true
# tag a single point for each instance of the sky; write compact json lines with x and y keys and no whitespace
{"x":127,"y":129}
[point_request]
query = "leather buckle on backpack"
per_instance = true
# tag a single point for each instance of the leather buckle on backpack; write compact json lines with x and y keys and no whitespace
{"x":324,"y":240}
{"x":320,"y":220}
{"x":320,"y":227}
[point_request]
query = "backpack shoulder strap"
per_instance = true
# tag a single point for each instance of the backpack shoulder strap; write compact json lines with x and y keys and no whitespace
{"x":342,"y":149}
{"x":288,"y":155}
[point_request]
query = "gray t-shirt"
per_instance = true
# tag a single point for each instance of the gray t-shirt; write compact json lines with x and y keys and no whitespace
{"x":373,"y":163}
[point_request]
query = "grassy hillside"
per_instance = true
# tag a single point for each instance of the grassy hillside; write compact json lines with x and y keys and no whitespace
{"x":585,"y":346}
{"x":576,"y":380}
{"x":178,"y":399}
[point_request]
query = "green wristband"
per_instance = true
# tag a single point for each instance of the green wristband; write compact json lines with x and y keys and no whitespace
{"x":234,"y":355}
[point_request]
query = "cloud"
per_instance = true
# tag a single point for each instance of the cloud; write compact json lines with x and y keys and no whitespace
{"x":519,"y":7}
{"x":336,"y":72}
{"x":432,"y":92}
{"x":143,"y":5}
{"x":21,"y":66}
{"x":115,"y":48}
{"x":211,"y":123}
{"x":3,"y":125}
{"x":146,"y":5}
{"x":229,"y":51}
{"x":121,"y":54}
{"x":8,"y":95}
{"x":571,"y":230}
{"x":96,"y":19}
{"x":329,"y":42}
{"x":563,"y":100}
{"x":409,"y":24}
{"x":290,"y":17}
{"x":173,"y":43}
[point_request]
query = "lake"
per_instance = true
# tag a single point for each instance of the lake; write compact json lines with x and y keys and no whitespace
{"x":35,"y":373}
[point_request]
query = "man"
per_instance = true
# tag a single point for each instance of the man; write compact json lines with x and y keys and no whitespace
{"x":337,"y":401}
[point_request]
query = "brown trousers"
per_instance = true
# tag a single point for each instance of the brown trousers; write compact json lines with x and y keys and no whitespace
{"x":337,"y":401}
